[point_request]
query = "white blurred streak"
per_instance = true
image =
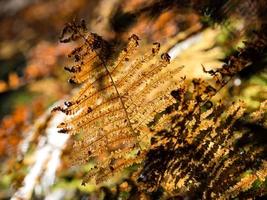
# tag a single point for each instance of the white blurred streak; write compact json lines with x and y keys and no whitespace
{"x":47,"y":160}
{"x":57,"y":142}
{"x":177,"y":49}
{"x":56,"y":195}
{"x":31,"y":134}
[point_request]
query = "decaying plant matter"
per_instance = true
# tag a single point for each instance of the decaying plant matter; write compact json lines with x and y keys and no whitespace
{"x":199,"y":148}
{"x":129,"y":98}
{"x":108,"y":116}
{"x":204,"y":150}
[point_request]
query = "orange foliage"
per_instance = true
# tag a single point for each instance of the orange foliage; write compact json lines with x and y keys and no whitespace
{"x":14,"y":125}
{"x":44,"y":59}
{"x":10,"y":130}
{"x":158,"y":28}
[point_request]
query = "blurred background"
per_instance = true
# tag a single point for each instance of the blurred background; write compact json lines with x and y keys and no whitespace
{"x":33,"y":80}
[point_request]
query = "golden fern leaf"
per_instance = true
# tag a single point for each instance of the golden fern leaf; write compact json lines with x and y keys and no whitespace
{"x":108,"y":116}
{"x":201,"y":150}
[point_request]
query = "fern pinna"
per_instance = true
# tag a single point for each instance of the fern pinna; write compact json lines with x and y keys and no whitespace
{"x":108,"y":116}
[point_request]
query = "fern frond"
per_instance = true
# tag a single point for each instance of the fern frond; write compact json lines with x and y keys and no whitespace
{"x":202,"y":149}
{"x":120,"y":94}
{"x":198,"y":149}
